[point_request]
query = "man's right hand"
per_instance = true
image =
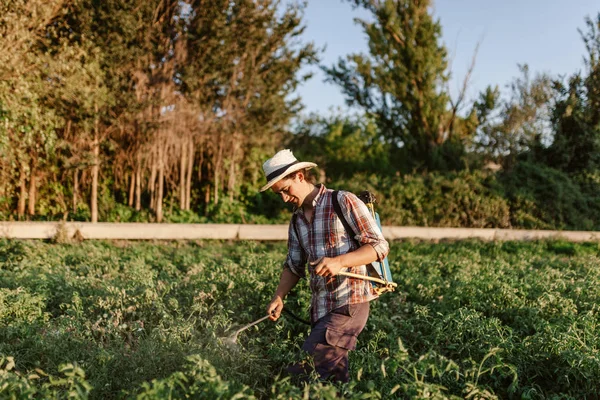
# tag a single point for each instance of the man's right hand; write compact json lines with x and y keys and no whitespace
{"x":274,"y":308}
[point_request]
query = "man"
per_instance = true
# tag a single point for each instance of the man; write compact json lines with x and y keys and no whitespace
{"x":319,"y":244}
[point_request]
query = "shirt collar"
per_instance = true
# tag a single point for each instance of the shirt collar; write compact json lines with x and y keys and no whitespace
{"x":315,"y":201}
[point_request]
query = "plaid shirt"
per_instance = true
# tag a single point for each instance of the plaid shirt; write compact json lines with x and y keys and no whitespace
{"x":325,"y":236}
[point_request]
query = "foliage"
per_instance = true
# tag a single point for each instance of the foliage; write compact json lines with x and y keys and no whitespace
{"x":144,"y":320}
{"x":448,"y":200}
{"x":144,"y":94}
{"x":38,"y":384}
{"x":577,"y":142}
{"x":165,"y":110}
{"x":541,"y":197}
{"x":400,"y":83}
{"x":575,"y":115}
{"x":341,"y":146}
{"x":518,"y":124}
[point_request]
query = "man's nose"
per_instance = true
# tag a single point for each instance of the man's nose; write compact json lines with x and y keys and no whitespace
{"x":285,"y":197}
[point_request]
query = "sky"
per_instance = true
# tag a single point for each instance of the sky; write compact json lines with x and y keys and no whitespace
{"x":541,"y":33}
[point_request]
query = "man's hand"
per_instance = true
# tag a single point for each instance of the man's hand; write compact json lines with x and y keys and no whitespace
{"x":274,"y":308}
{"x":327,"y":267}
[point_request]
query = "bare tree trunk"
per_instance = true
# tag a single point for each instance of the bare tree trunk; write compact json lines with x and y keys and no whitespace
{"x":75,"y":188}
{"x":206,"y":199}
{"x":22,"y":193}
{"x":201,"y":161}
{"x":3,"y":180}
{"x":138,"y":184}
{"x":217,"y":168}
{"x":182,"y":172}
{"x":95,"y":169}
{"x":131,"y":189}
{"x":161,"y":178}
{"x":232,"y":168}
{"x":216,"y":185}
{"x":190,"y":168}
{"x":94,"y":194}
{"x":32,"y":187}
{"x":151,"y":183}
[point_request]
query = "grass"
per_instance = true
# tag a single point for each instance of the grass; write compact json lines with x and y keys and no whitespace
{"x":143,"y":320}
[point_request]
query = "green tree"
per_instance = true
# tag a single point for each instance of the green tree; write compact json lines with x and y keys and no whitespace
{"x":576,"y":115}
{"x":29,"y":123}
{"x":242,"y":70}
{"x":517,"y":124}
{"x":342,"y":146}
{"x":130,"y":48}
{"x":400,"y":82}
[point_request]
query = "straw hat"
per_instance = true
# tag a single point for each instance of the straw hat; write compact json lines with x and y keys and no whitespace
{"x":280,"y":165}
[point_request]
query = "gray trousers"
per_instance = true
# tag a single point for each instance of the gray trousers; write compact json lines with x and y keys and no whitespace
{"x":330,"y":339}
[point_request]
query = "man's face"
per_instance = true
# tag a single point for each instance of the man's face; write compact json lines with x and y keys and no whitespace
{"x":289,"y":191}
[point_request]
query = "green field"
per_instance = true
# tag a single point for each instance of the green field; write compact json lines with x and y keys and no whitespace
{"x":144,"y":320}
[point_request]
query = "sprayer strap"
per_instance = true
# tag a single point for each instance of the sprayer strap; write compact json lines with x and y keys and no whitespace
{"x":340,"y":214}
{"x":338,"y":210}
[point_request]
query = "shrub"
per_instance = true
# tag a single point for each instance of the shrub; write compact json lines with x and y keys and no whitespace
{"x":470,"y":319}
{"x":457,"y":199}
{"x":546,"y":198}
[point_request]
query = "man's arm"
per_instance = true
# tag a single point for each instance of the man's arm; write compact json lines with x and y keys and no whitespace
{"x":286,"y":283}
{"x":326,"y":266}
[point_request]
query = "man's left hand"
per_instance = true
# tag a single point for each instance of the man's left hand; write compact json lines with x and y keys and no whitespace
{"x":327,"y":266}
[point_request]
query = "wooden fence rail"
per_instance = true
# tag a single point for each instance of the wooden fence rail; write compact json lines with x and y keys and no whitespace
{"x":149,"y":231}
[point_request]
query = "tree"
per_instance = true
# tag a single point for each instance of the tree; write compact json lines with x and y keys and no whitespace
{"x":145,"y":32}
{"x":342,"y":146}
{"x":22,"y":25}
{"x":400,"y":83}
{"x":143,"y":102}
{"x":576,"y":115}
{"x":28,"y":131}
{"x":243,"y":60}
{"x":517,"y":124}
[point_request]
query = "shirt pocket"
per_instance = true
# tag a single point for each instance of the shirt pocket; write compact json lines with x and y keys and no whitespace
{"x":336,"y":232}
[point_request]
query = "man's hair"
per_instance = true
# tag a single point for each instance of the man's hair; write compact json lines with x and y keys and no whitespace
{"x":305,"y":171}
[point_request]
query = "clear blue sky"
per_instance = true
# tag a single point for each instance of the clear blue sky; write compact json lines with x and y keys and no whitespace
{"x":540,"y":33}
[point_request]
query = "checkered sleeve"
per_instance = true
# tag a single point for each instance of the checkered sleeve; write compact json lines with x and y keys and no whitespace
{"x":362,"y":222}
{"x":296,"y":257}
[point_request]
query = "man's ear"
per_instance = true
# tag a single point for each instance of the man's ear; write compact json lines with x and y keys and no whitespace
{"x":300,"y":176}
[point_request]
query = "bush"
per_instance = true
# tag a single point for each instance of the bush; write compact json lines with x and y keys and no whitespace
{"x":461,"y":199}
{"x":17,"y":307}
{"x":472,"y":319}
{"x":541,"y":197}
{"x":529,"y":196}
